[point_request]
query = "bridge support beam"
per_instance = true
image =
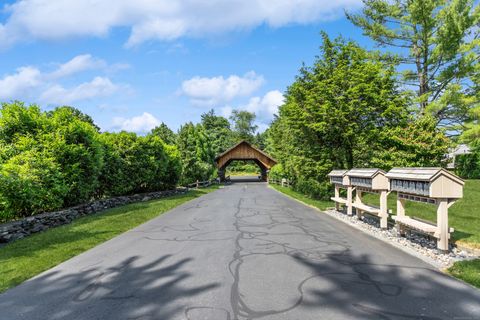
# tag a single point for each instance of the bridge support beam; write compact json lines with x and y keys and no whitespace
{"x":221,"y":174}
{"x":263,"y":174}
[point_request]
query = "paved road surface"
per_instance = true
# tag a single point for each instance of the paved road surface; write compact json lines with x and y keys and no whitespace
{"x":242,"y":252}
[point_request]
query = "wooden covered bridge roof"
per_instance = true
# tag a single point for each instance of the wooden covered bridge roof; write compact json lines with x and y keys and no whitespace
{"x":244,"y":151}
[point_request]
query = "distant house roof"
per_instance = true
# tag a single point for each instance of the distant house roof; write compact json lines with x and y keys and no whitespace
{"x":456,"y":151}
{"x":459,"y":149}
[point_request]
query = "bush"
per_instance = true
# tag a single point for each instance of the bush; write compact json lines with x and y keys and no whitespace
{"x":313,"y":189}
{"x":59,"y":158}
{"x":137,"y":164}
{"x":196,"y":152}
{"x":467,"y":166}
{"x":76,"y":147}
{"x":277,"y":172}
{"x":30,"y":183}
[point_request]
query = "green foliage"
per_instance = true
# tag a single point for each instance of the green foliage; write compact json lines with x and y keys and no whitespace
{"x":312,"y":188}
{"x":467,"y":166}
{"x":197,"y":153}
{"x":164,"y":133}
{"x":438,"y":40}
{"x":277,"y":172}
{"x":59,"y":158}
{"x":30,"y":182}
{"x":137,"y":164}
{"x":471,"y":133}
{"x":218,"y":131}
{"x":18,"y":120}
{"x":244,"y":127}
{"x":334,"y":113}
{"x":75,"y":145}
{"x":418,"y":144}
{"x":239,"y":166}
{"x":74,"y":112}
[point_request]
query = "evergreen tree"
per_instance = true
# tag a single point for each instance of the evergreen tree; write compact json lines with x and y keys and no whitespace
{"x":165,"y":133}
{"x":334,"y":113}
{"x":434,"y":39}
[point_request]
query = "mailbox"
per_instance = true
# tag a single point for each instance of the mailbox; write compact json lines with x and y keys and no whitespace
{"x":340,"y":180}
{"x":370,"y":180}
{"x":428,"y":185}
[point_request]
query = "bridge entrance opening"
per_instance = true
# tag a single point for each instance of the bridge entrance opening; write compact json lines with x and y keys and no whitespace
{"x":244,"y":151}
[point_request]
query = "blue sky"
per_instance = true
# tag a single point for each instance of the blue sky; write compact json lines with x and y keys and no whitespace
{"x":134,"y":64}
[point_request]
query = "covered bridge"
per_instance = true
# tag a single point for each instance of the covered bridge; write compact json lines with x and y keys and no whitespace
{"x":244,"y":151}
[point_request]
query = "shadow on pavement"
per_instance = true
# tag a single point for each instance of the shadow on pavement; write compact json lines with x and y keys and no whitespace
{"x":126,"y":291}
{"x":243,"y":179}
{"x":357,"y":288}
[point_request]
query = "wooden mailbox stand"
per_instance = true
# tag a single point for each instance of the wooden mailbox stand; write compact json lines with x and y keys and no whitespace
{"x":371,"y":181}
{"x":428,"y":185}
{"x":340,"y":180}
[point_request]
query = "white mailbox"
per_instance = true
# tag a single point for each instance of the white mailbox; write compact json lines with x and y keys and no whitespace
{"x":371,"y":180}
{"x":429,"y":185}
{"x":340,"y":180}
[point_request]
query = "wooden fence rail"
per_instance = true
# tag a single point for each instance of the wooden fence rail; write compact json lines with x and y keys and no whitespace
{"x":282,"y":182}
{"x":206,"y":183}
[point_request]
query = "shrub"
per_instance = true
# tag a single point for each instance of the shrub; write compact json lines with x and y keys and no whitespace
{"x":312,"y":188}
{"x":277,"y":172}
{"x":196,"y":152}
{"x":59,"y":158}
{"x":137,"y":164}
{"x":75,"y":144}
{"x":30,"y":182}
{"x":467,"y":166}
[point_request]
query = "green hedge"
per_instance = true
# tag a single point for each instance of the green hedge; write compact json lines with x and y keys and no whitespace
{"x":50,"y":160}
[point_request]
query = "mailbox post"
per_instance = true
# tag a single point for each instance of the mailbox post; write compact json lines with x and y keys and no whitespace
{"x":428,"y":185}
{"x":371,"y":180}
{"x":340,"y":180}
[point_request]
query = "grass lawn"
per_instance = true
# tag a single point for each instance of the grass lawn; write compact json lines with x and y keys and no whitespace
{"x":468,"y":271}
{"x":25,"y":258}
{"x":320,"y":204}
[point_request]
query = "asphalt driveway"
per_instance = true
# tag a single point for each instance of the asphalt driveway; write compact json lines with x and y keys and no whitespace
{"x":242,"y":252}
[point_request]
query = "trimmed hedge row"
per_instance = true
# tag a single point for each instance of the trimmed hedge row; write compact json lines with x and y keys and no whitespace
{"x":55,"y":159}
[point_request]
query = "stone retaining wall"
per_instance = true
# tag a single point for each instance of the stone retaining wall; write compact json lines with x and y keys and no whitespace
{"x":21,"y":228}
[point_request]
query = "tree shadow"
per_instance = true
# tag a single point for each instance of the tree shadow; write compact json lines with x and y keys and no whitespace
{"x":460,"y":235}
{"x":357,"y":288}
{"x":128,"y":290}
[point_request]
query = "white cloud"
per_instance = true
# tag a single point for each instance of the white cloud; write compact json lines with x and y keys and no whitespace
{"x":139,"y":124}
{"x":208,"y":91}
{"x":98,"y":87}
{"x":78,"y":64}
{"x":30,"y":83}
{"x":226,"y":111}
{"x":157,"y":20}
{"x":18,"y":85}
{"x":264,"y":108}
